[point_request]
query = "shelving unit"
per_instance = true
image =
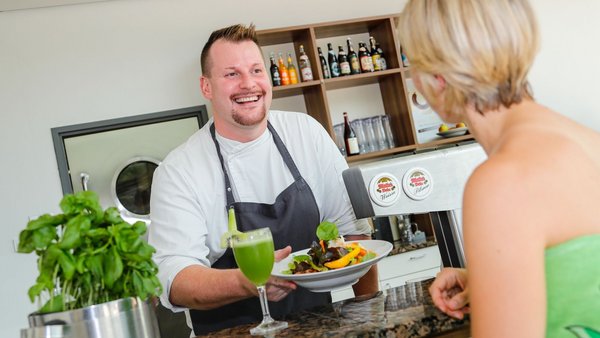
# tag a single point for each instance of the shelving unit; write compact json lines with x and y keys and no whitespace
{"x":316,"y":93}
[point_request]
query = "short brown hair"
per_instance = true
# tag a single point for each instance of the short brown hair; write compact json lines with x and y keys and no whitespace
{"x":483,"y":49}
{"x":235,"y":33}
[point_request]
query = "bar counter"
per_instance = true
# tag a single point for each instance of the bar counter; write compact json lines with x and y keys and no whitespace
{"x":404,"y":311}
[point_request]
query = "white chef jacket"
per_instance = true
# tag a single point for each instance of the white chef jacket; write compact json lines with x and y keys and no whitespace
{"x":188,"y":202}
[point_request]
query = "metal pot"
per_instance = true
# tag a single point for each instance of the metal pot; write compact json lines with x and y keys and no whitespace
{"x":122,"y":318}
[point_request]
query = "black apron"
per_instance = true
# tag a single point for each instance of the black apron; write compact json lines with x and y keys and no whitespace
{"x":293,"y":219}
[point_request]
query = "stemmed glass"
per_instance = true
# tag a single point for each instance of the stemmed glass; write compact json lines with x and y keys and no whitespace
{"x":254,"y":255}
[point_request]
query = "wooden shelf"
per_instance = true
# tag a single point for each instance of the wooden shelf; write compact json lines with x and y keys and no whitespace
{"x":391,"y":82}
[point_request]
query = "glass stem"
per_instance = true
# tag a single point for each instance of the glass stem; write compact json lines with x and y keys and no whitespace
{"x":262,"y":295}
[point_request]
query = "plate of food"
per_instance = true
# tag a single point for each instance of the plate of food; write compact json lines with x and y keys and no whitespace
{"x":459,"y":130}
{"x":331,"y":264}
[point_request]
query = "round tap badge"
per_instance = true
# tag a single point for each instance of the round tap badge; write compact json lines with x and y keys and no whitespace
{"x":384,"y":189}
{"x":417,"y":183}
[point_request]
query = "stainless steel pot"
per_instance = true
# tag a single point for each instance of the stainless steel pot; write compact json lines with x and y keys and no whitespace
{"x":122,"y":318}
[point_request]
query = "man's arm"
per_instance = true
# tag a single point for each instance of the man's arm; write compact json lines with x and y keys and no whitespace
{"x":199,"y":287}
{"x":203,"y":288}
{"x":369,"y":283}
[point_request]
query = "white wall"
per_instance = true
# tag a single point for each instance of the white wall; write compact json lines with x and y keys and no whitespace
{"x":81,"y":63}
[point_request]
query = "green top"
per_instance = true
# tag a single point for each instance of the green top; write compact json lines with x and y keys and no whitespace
{"x":573,"y":288}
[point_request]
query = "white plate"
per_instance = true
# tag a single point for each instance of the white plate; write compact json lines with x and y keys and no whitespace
{"x":454,"y":132}
{"x":333,"y":279}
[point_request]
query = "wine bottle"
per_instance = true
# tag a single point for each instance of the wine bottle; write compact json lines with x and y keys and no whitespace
{"x":292,"y":70}
{"x":334,"y":67}
{"x":304,"y":65}
{"x":350,"y":138}
{"x":343,"y":62}
{"x":324,"y":66}
{"x":353,"y":58}
{"x":275,"y":72}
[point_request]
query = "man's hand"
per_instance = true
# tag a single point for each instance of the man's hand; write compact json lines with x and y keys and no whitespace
{"x":278,"y":289}
{"x":450,"y":293}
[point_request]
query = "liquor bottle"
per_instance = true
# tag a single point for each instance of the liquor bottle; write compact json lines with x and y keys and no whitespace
{"x":382,"y":61}
{"x":343,"y":62}
{"x":375,"y":55}
{"x":304,"y":65}
{"x":334,"y":67}
{"x":283,"y":72}
{"x":366,"y":62}
{"x":353,"y":58}
{"x":324,"y":65}
{"x":275,"y":72}
{"x":350,"y":138}
{"x":292,"y":70}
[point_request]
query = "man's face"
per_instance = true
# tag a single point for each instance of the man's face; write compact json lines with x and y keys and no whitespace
{"x":238,"y":85}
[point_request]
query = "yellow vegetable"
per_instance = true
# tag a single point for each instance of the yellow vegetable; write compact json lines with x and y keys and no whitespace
{"x":344,"y":260}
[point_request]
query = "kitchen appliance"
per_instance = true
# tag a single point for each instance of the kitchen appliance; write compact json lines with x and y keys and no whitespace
{"x":428,"y":182}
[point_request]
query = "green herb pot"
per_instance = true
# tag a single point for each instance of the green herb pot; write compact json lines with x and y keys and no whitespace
{"x":122,"y":318}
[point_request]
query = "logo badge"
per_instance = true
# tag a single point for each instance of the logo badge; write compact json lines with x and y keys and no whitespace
{"x":384,"y":189}
{"x":417,"y":183}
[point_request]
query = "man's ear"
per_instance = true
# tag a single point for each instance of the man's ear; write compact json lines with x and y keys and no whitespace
{"x":205,"y":87}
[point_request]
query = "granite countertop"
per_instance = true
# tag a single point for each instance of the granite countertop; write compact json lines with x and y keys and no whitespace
{"x":400,"y":248}
{"x":404,"y":311}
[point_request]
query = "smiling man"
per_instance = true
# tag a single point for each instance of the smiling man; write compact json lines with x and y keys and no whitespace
{"x":276,"y":169}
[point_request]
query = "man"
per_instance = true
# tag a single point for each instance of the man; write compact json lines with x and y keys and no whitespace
{"x":276,"y":169}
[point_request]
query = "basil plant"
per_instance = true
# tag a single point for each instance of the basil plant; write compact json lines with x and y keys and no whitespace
{"x":88,"y":256}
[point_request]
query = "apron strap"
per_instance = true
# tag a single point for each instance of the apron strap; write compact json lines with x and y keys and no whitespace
{"x":228,"y":191}
{"x":287,"y":158}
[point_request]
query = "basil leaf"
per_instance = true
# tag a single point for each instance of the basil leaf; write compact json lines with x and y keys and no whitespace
{"x":67,"y":264}
{"x":113,"y":267}
{"x":43,"y":236}
{"x":327,"y":231}
{"x":55,"y":304}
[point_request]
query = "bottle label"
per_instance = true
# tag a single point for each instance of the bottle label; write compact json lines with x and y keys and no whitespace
{"x":382,"y":63}
{"x":366,"y":64}
{"x":376,"y":62}
{"x":354,"y":65}
{"x":335,"y":70}
{"x":285,"y":78}
{"x":352,"y":146}
{"x":276,"y":78}
{"x":345,"y":68}
{"x":307,"y":74}
{"x":293,"y":75}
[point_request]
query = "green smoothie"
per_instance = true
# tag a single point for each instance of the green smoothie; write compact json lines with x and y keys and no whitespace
{"x":255,"y":257}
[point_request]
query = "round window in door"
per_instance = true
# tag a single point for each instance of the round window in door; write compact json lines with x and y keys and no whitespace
{"x":132,"y":185}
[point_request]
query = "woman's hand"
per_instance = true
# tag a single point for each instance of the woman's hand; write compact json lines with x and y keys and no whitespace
{"x":450,"y":293}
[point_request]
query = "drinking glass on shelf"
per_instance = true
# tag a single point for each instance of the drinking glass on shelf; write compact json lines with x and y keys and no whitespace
{"x":255,"y":255}
{"x":357,"y":125}
{"x":338,"y":129}
{"x":389,"y":135}
{"x":372,"y":144}
{"x":379,"y":133}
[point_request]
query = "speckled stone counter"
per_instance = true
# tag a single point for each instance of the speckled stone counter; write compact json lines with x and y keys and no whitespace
{"x":405,"y":311}
{"x":400,"y":248}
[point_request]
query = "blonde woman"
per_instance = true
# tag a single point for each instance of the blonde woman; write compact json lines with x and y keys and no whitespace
{"x":531,"y":230}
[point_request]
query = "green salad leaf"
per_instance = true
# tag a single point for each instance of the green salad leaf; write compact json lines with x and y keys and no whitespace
{"x":302,"y":258}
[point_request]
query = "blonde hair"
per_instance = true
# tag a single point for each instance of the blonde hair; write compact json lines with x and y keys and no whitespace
{"x":234,"y":33}
{"x":484,"y":49}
